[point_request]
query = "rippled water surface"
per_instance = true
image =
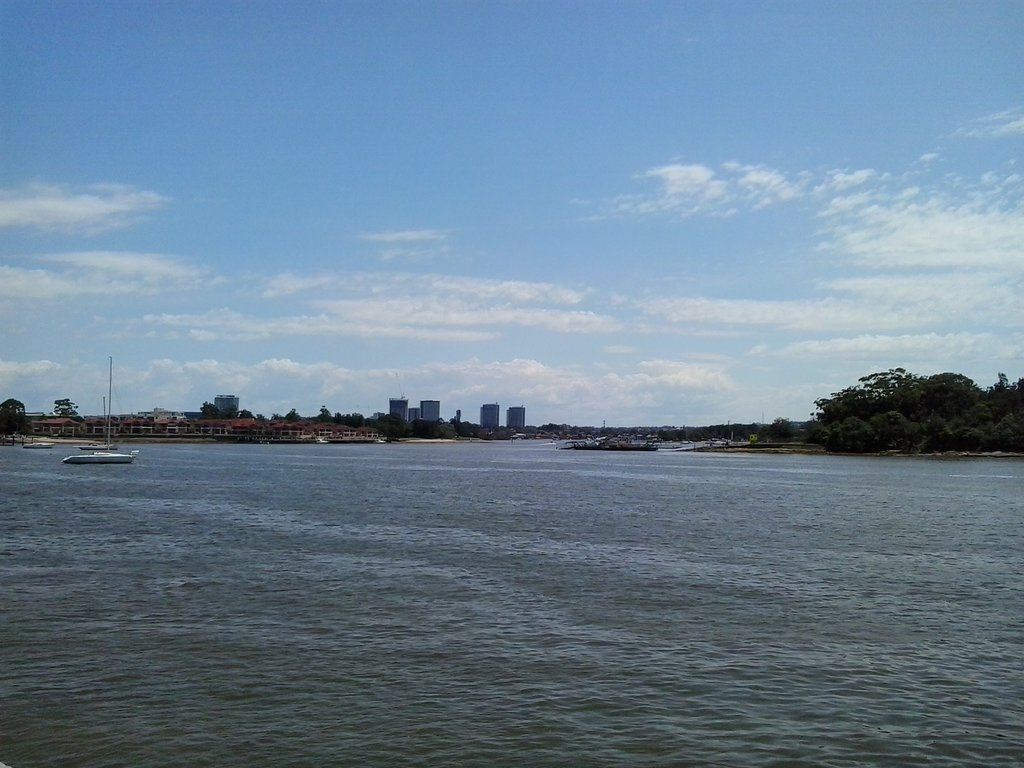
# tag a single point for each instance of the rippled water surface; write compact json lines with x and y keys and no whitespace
{"x":509,"y":605}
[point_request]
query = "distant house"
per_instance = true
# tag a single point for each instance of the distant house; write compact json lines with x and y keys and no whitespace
{"x":57,"y":426}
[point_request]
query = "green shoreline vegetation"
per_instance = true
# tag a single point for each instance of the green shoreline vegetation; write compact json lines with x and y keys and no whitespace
{"x":890,"y":412}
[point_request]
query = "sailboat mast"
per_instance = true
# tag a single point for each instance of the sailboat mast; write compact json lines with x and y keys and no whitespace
{"x":110,"y":395}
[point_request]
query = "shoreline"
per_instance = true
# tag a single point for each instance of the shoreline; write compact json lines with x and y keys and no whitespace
{"x":803,"y":449}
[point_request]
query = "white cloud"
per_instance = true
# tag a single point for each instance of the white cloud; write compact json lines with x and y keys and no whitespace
{"x":954,"y":348}
{"x":227,"y":325}
{"x":763,"y":186}
{"x":690,"y":313}
{"x":999,"y":125}
{"x":689,"y":181}
{"x":840,"y":181}
{"x":685,"y":375}
{"x":11,"y":370}
{"x":413,"y":284}
{"x":622,"y":395}
{"x":421,"y":314}
{"x":930,"y":232}
{"x":143,"y":267}
{"x":686,"y":190}
{"x":507,"y":290}
{"x":411,"y":246}
{"x":992,"y":298}
{"x":100,"y":273}
{"x":290,"y":284}
{"x":89,"y":211}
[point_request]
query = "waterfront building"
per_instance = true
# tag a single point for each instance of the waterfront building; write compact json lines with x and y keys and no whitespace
{"x":515,"y":417}
{"x":430,"y":410}
{"x":399,"y":406}
{"x":162,"y":414}
{"x":226,"y":404}
{"x":490,"y":414}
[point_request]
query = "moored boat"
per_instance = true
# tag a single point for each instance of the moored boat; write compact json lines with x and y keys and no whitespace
{"x":100,"y":457}
{"x":105,"y":453}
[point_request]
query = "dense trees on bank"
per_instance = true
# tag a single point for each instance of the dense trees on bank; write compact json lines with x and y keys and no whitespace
{"x":899,"y":411}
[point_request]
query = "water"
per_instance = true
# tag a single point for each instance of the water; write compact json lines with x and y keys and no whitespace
{"x":509,"y":605}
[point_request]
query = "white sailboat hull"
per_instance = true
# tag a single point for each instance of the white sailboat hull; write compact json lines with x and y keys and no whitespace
{"x":100,"y":457}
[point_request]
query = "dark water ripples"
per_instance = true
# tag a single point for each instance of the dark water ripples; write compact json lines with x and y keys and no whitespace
{"x":510,"y":606}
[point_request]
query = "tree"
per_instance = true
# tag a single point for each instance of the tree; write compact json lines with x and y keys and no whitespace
{"x":325,"y":415}
{"x":64,"y":407}
{"x":391,"y":427}
{"x":896,"y":410}
{"x":780,"y":429}
{"x":292,"y":415}
{"x":209,"y":411}
{"x":355,"y":420}
{"x":12,"y":417}
{"x":946,"y":394}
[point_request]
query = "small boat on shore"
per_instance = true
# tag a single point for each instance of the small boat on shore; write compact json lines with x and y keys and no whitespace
{"x":39,"y":446}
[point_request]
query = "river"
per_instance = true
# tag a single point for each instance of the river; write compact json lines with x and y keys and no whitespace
{"x":509,"y":605}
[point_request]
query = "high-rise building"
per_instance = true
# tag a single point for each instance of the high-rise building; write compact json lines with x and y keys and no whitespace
{"x":414,"y":414}
{"x":515,"y":417}
{"x":226,"y":403}
{"x":490,"y":414}
{"x":399,"y":406}
{"x":430,"y":410}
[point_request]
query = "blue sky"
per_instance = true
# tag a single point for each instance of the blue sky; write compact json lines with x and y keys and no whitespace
{"x":623,"y":212}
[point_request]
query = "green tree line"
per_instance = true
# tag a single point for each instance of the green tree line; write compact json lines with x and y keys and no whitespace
{"x":899,"y":411}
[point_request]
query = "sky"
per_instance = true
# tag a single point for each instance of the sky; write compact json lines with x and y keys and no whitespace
{"x":630,"y":213}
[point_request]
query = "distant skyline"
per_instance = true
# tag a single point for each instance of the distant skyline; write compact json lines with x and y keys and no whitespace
{"x":652,"y":213}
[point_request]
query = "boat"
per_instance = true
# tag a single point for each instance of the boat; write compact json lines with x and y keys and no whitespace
{"x":38,"y":445}
{"x":612,"y":444}
{"x":105,"y":454}
{"x":98,"y":447}
{"x":101,"y":457}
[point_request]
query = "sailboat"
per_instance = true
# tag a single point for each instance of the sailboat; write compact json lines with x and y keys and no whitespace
{"x":106,"y":453}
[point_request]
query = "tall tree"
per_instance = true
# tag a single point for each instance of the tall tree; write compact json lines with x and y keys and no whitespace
{"x":64,"y":407}
{"x":12,"y":417}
